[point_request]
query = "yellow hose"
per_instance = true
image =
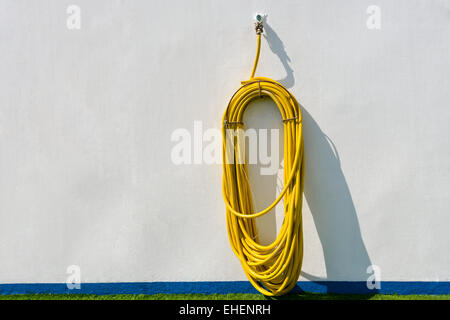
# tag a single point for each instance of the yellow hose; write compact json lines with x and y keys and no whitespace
{"x":273,"y":269}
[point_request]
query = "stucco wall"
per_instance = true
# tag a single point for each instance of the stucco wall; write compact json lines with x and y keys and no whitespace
{"x":87,"y":116}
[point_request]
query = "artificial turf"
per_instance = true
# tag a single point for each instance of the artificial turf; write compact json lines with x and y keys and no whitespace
{"x":295,"y":296}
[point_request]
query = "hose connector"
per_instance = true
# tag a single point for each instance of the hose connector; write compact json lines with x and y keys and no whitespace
{"x":259,"y":27}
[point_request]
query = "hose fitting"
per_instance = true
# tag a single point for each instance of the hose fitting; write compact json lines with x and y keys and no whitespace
{"x":259,"y":27}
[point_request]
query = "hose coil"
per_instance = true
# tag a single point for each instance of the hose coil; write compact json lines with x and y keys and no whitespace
{"x":272,"y":269}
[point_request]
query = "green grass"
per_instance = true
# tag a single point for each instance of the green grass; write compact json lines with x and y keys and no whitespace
{"x":296,"y":296}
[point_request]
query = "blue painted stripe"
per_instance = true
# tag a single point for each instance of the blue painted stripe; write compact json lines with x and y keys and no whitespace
{"x":224,"y":287}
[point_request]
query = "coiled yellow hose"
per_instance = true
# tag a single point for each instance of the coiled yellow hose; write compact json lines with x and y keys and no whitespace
{"x":273,"y":269}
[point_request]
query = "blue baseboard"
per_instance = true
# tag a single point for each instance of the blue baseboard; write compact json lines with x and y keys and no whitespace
{"x":224,"y":287}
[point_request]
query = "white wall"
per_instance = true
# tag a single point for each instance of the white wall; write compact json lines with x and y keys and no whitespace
{"x":86,"y":118}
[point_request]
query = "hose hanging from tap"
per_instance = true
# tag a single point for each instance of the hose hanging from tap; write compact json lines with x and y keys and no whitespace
{"x":272,"y":269}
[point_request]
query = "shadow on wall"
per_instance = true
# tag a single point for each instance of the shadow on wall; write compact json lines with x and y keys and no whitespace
{"x":277,"y":47}
{"x":334,"y":214}
{"x":326,"y":191}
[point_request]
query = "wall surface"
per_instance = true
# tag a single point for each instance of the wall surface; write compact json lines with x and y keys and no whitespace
{"x":87,"y":118}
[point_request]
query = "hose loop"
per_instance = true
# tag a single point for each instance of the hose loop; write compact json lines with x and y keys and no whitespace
{"x":272,"y":269}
